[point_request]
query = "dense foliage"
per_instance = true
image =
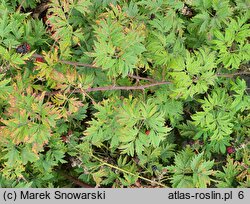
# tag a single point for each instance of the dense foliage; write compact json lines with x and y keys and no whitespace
{"x":130,"y":93}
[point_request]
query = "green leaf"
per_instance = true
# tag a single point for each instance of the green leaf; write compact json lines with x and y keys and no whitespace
{"x":28,"y":156}
{"x":12,"y":156}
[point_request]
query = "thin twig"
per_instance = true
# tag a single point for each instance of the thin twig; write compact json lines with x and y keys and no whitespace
{"x":142,"y":87}
{"x":37,"y":55}
{"x":85,"y":93}
{"x":70,"y":62}
{"x":141,"y":78}
{"x":110,"y":88}
{"x":78,"y":64}
{"x":127,"y":172}
{"x":133,"y":76}
{"x":93,"y":66}
{"x":233,"y":74}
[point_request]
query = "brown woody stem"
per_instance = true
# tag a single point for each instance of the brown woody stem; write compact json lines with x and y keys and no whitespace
{"x":76,"y":181}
